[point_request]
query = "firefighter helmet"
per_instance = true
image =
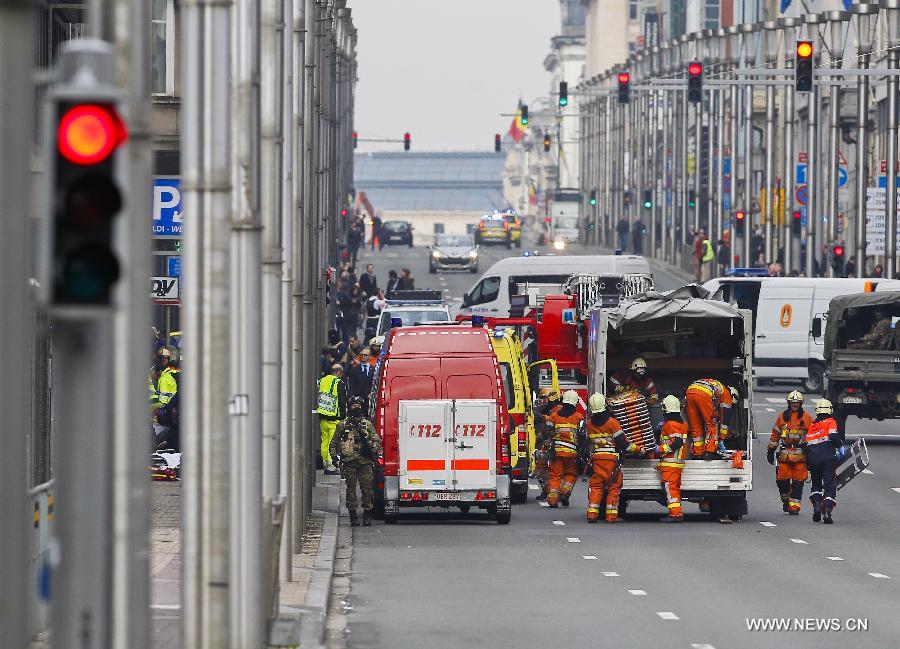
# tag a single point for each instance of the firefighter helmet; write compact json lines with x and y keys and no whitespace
{"x":824,"y":407}
{"x":795,"y":397}
{"x":596,"y":403}
{"x":671,"y":405}
{"x":570,"y":397}
{"x":550,"y":394}
{"x":639,"y":366}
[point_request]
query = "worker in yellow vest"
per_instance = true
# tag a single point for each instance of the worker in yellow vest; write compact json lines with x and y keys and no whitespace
{"x":331,"y":407}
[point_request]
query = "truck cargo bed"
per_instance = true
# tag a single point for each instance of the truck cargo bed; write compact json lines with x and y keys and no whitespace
{"x":699,"y":475}
{"x":864,"y":365}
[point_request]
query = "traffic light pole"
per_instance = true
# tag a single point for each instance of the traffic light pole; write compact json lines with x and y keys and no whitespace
{"x":16,"y":122}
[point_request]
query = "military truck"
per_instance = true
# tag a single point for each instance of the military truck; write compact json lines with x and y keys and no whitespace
{"x":862,"y":355}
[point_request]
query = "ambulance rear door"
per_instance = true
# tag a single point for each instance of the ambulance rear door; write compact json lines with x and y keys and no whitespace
{"x":474,"y":444}
{"x":425,"y":428}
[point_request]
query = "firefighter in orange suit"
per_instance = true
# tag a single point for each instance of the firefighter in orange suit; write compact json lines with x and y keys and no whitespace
{"x":605,"y":441}
{"x":565,"y":422}
{"x":672,"y":450}
{"x":636,"y":379}
{"x":788,"y":434}
{"x":708,"y":404}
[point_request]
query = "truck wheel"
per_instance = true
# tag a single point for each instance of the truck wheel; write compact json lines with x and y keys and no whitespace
{"x":390,"y":519}
{"x":816,"y":380}
{"x":504,"y":517}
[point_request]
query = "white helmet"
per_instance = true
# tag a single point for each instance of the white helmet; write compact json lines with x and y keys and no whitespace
{"x":570,"y":397}
{"x":639,"y":366}
{"x":824,"y":407}
{"x":596,"y":403}
{"x":671,"y":405}
{"x":795,"y":397}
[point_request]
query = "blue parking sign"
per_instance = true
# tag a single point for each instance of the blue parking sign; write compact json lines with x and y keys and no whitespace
{"x":167,"y":207}
{"x":173,"y":266}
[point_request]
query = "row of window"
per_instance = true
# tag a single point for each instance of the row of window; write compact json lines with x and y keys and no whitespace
{"x":710,"y":18}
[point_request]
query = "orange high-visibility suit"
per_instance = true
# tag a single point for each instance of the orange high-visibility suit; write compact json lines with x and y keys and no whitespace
{"x":564,"y":467}
{"x":606,"y":440}
{"x":621,"y":381}
{"x":788,"y":433}
{"x":673,"y":449}
{"x":707,"y":404}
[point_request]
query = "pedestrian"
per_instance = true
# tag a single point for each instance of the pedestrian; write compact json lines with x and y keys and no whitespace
{"x":622,"y":229}
{"x":878,"y":271}
{"x":786,"y":443}
{"x":377,"y":233}
{"x":331,"y":406}
{"x":637,"y":237}
{"x":407,"y":281}
{"x":393,"y":282}
{"x":823,"y":439}
{"x":697,"y":256}
{"x":565,"y":422}
{"x":605,"y":441}
{"x":353,"y":243}
{"x":348,"y":309}
{"x":850,"y":267}
{"x":374,"y":305}
{"x":368,"y":282}
{"x":354,"y":346}
{"x":357,"y":446}
{"x":672,"y":449}
{"x":723,"y":256}
{"x":162,"y":382}
{"x":360,"y":374}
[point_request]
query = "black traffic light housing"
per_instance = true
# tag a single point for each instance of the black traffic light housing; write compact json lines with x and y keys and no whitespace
{"x":692,"y":198}
{"x":648,"y":199}
{"x":523,"y":110}
{"x":740,"y":218}
{"x":407,"y":140}
{"x":593,"y":198}
{"x":563,"y":94}
{"x":695,"y":82}
{"x":355,"y":139}
{"x":497,"y":143}
{"x":796,"y":223}
{"x":546,"y":142}
{"x":624,"y":81}
{"x":803,"y":67}
{"x":838,"y":262}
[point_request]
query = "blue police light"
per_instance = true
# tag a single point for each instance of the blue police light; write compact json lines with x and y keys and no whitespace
{"x":499,"y":332}
{"x":746,"y":272}
{"x":396,"y":322}
{"x":526,"y":254}
{"x":477,"y":320}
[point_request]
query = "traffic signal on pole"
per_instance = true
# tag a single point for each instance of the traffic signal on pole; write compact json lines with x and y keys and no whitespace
{"x":648,"y":199}
{"x":796,"y":224}
{"x":804,"y":66}
{"x":524,"y":114}
{"x":497,"y":143}
{"x":739,"y":218}
{"x":407,"y":140}
{"x":837,"y":259}
{"x":563,"y":94}
{"x":344,"y":211}
{"x":546,"y":142}
{"x":355,"y":138}
{"x":692,"y":198}
{"x":695,"y":82}
{"x":593,"y":198}
{"x":624,"y":81}
{"x":81,"y":266}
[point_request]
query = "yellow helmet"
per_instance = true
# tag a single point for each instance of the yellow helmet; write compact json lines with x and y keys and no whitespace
{"x":671,"y":405}
{"x":795,"y":397}
{"x":824,"y":407}
{"x":639,"y":365}
{"x":596,"y":403}
{"x":550,"y":394}
{"x":570,"y":397}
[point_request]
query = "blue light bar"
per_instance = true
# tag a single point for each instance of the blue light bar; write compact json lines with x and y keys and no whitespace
{"x":477,"y":320}
{"x":747,"y":272}
{"x":396,"y":322}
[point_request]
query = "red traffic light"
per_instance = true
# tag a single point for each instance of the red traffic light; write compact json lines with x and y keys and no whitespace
{"x":839,"y":251}
{"x":740,"y":216}
{"x":695,"y":69}
{"x":624,"y":77}
{"x":344,"y":211}
{"x":88,"y":133}
{"x":406,"y":137}
{"x":796,"y":216}
{"x":804,"y":49}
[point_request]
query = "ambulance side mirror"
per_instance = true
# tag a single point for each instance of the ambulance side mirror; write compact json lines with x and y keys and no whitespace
{"x":816,"y":327}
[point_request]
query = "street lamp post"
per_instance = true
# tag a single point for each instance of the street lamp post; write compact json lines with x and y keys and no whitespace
{"x":734,"y":48}
{"x":789,"y":28}
{"x":812,"y":164}
{"x":836,"y":21}
{"x":770,"y":192}
{"x":750,"y":33}
{"x":891,"y":9}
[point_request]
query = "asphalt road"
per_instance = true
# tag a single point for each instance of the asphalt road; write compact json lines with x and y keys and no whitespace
{"x":551,"y":580}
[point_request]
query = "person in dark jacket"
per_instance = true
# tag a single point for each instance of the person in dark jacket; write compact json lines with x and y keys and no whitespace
{"x":360,"y":375}
{"x":368,"y":282}
{"x":377,"y":234}
{"x":622,"y":229}
{"x":393,"y":282}
{"x":822,"y":440}
{"x":637,"y":237}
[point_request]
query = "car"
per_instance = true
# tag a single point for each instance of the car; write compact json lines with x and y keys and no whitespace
{"x":397,"y":233}
{"x":515,"y":227}
{"x":410,"y":308}
{"x":493,"y":230}
{"x":454,"y":252}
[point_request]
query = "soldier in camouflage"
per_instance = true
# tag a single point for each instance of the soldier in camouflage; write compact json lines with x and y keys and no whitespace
{"x":357,"y":445}
{"x":879,"y":337}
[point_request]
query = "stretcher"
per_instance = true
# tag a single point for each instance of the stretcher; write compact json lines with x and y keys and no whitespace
{"x":631,"y":411}
{"x":851,"y":462}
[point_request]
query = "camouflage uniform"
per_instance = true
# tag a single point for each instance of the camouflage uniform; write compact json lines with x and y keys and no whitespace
{"x":878,"y":338}
{"x":356,"y":459}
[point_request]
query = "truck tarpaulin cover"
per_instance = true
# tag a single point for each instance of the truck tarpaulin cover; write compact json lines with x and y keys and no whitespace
{"x":685,"y":302}
{"x":840,"y":305}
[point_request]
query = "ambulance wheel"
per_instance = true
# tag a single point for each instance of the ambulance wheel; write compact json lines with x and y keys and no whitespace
{"x":390,"y":519}
{"x":503,"y":518}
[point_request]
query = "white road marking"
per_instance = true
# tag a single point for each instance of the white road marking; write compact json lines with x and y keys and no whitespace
{"x":897,"y":489}
{"x":867,"y":472}
{"x":589,"y":557}
{"x":166,"y":607}
{"x":573,"y":539}
{"x":767,"y":524}
{"x":610,"y":574}
{"x":835,"y":558}
{"x":543,"y":503}
{"x":800,"y":541}
{"x":774,"y":400}
{"x":770,"y":409}
{"x":702,"y":646}
{"x":637,"y":592}
{"x":667,"y":615}
{"x":558,"y":523}
{"x":878,"y":575}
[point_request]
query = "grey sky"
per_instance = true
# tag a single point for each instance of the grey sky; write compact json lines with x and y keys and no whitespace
{"x":444,"y":71}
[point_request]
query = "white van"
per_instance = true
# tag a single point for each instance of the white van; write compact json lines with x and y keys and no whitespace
{"x":492,"y":292}
{"x":783,"y":309}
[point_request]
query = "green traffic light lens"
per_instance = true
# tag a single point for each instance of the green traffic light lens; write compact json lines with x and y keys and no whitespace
{"x":88,"y":274}
{"x":563,"y":101}
{"x":648,"y":204}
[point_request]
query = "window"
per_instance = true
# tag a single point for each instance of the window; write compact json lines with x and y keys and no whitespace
{"x":487,"y":290}
{"x":162,"y":43}
{"x":508,"y":385}
{"x":711,"y":14}
{"x":632,"y":10}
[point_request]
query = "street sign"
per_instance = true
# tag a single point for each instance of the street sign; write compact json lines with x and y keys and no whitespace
{"x":875,"y":220}
{"x":164,"y":290}
{"x":842,"y":176}
{"x":801,"y":156}
{"x":800,"y":176}
{"x":882,"y":182}
{"x":173,"y":266}
{"x":802,"y":195}
{"x":167,"y":207}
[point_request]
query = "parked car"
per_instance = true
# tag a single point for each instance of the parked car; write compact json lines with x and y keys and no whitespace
{"x":454,"y":252}
{"x":397,"y":233}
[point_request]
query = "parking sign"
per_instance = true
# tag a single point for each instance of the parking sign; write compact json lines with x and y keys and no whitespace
{"x":167,"y":207}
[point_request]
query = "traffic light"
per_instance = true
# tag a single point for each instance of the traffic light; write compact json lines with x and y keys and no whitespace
{"x":695,"y":82}
{"x":344,"y":211}
{"x":407,"y":140}
{"x":624,"y":81}
{"x":497,"y":143}
{"x":563,"y":94}
{"x":524,"y":111}
{"x":593,"y":198}
{"x":804,"y":66}
{"x":796,"y":228}
{"x":692,"y":198}
{"x":84,"y":193}
{"x":355,"y":138}
{"x":546,"y":142}
{"x":837,"y":259}
{"x":648,"y":199}
{"x":739,"y":218}
{"x":626,"y":198}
